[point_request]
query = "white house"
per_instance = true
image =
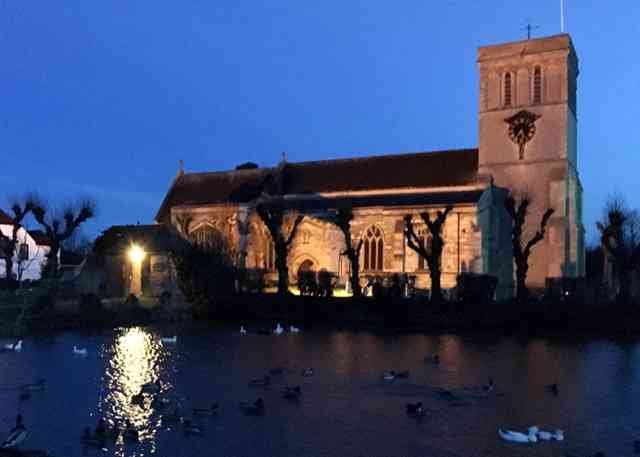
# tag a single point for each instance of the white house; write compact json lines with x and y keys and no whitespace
{"x":30,"y":254}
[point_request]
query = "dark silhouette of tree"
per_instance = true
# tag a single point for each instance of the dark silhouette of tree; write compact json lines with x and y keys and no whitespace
{"x":59,"y":226}
{"x":517,"y":209}
{"x":342,"y":220}
{"x":272,"y":213}
{"x":431,"y":253}
{"x":620,"y":237}
{"x":20,"y":208}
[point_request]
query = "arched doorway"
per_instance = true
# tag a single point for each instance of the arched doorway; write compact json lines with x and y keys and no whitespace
{"x":307,"y":265}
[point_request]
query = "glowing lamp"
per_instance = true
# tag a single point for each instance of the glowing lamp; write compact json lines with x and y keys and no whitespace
{"x":136,"y":253}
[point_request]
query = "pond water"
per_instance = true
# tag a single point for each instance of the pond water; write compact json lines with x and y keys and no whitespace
{"x":345,"y":409}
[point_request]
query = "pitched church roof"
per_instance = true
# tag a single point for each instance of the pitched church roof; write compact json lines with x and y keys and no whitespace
{"x":373,"y":173}
{"x":5,"y":219}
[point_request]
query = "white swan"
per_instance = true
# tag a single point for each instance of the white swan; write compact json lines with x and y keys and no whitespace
{"x":14,"y":346}
{"x":557,"y":435}
{"x":294,"y":329}
{"x":278,"y":330}
{"x":389,"y":375}
{"x":79,"y":351}
{"x":519,"y":437}
{"x":243,"y":331}
{"x":169,"y":339}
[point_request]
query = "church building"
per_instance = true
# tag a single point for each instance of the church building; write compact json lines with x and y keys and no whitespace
{"x":527,"y":116}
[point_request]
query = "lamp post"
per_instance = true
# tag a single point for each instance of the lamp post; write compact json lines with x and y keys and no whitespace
{"x":136,"y":256}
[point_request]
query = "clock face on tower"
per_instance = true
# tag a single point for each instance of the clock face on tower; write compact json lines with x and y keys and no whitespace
{"x":522,"y":128}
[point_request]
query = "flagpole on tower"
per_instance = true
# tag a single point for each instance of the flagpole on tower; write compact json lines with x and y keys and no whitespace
{"x":562,"y":16}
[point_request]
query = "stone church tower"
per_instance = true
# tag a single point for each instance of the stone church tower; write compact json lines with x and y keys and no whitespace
{"x":527,"y":143}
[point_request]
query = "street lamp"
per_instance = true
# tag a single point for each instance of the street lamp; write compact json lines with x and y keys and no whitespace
{"x":136,"y":254}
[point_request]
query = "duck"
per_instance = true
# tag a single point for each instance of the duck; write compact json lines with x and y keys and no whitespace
{"x":92,"y":440}
{"x":557,"y":435}
{"x":253,"y":409}
{"x":79,"y":351}
{"x":261,"y":382}
{"x":389,"y":375}
{"x":415,"y":409}
{"x":294,"y":329}
{"x":17,"y":434}
{"x":243,"y":331}
{"x":151,"y":387}
{"x":518,"y":437}
{"x":38,"y":385}
{"x":130,"y":434}
{"x":211,"y":411}
{"x":190,"y":429}
{"x":278,"y":330}
{"x":292,"y":393}
{"x":17,"y":346}
{"x":169,"y":339}
{"x":489,"y":386}
{"x":307,"y":372}
{"x":552,"y":388}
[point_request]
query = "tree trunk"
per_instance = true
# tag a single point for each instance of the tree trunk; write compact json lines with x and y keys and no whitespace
{"x":522,"y":292}
{"x":435,"y":275}
{"x":8,"y":267}
{"x":283,"y":269}
{"x":355,"y":274}
{"x":50,"y":269}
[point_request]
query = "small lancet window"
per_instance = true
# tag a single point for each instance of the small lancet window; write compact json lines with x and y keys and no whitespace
{"x":507,"y":89}
{"x":537,"y":85}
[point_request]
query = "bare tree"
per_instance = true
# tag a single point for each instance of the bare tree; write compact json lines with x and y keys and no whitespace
{"x":183,"y":223}
{"x":59,"y":226}
{"x":20,"y":208}
{"x":272,"y":213}
{"x":430,"y":252}
{"x":517,"y":209}
{"x":342,"y":220}
{"x":620,"y":237}
{"x":23,"y":263}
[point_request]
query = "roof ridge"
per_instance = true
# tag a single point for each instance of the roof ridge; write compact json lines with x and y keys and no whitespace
{"x":394,"y":155}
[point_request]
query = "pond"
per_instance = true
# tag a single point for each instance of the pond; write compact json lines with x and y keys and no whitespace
{"x":345,"y":408}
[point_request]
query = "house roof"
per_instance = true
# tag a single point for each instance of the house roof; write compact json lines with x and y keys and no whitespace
{"x":5,"y":219}
{"x":39,"y":237}
{"x":152,"y":238}
{"x":415,"y":170}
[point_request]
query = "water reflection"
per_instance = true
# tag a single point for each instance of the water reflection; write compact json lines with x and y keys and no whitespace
{"x":134,"y":359}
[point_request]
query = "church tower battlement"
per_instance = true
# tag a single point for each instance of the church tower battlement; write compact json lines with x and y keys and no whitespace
{"x":528,"y":144}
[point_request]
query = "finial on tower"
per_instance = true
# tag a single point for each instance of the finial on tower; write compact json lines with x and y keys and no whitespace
{"x":284,"y":156}
{"x":181,"y":168}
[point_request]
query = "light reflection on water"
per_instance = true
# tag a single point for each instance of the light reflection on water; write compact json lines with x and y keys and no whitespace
{"x":134,"y":359}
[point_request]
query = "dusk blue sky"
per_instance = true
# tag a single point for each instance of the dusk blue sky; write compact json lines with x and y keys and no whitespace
{"x":104,"y":98}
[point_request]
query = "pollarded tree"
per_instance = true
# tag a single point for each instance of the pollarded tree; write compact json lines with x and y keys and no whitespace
{"x":430,"y":252}
{"x":517,"y":209}
{"x":620,"y":237}
{"x":342,"y":220}
{"x":272,"y":212}
{"x":20,"y":208}
{"x":58,"y":227}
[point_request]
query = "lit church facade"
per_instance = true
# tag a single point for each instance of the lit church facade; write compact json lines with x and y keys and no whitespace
{"x":527,"y":144}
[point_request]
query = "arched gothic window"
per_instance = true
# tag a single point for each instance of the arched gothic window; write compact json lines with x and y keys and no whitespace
{"x":507,"y":89}
{"x":537,"y":85}
{"x":373,"y":248}
{"x":203,"y":235}
{"x":425,"y":241}
{"x":269,"y":254}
